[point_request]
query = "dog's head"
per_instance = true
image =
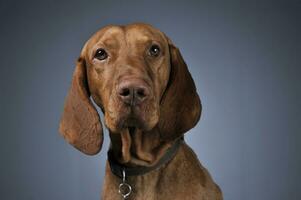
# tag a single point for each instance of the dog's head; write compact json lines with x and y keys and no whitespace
{"x":139,"y":80}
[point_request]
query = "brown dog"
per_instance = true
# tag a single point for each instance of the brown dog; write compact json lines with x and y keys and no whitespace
{"x":141,"y":83}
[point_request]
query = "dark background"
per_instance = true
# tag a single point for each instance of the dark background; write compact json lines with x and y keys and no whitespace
{"x":244,"y":57}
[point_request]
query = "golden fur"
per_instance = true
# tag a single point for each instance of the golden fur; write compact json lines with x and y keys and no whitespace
{"x":140,"y":133}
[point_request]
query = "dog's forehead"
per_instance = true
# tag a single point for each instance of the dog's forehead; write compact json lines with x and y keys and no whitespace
{"x":143,"y":32}
{"x":132,"y":32}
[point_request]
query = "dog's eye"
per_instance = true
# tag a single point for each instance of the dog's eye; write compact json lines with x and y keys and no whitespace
{"x":154,"y":50}
{"x":101,"y":54}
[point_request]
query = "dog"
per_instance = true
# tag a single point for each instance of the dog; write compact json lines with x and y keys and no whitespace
{"x":138,"y":78}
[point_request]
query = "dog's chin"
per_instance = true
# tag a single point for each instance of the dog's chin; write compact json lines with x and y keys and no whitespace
{"x":131,"y":121}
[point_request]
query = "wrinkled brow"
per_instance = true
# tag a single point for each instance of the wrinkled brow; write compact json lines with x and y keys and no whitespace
{"x":111,"y":43}
{"x":112,"y":37}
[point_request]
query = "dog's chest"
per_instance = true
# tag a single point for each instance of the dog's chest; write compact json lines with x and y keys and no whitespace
{"x":143,"y":187}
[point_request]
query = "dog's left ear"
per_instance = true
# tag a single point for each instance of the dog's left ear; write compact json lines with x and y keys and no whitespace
{"x":180,"y":105}
{"x":80,"y":123}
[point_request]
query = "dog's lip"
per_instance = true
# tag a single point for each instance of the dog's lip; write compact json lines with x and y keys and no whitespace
{"x":132,"y":129}
{"x":131,"y":119}
{"x":132,"y":124}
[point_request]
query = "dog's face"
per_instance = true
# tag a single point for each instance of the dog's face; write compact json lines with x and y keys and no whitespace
{"x":128,"y":69}
{"x":140,"y":81}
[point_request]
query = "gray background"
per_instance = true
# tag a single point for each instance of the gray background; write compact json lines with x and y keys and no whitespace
{"x":243,"y":58}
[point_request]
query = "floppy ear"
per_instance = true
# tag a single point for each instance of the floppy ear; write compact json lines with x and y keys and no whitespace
{"x":80,"y":123}
{"x":180,"y":104}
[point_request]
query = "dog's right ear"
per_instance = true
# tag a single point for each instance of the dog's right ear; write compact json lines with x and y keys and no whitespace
{"x":80,"y":123}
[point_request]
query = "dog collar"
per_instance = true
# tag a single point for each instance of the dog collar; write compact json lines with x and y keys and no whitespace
{"x":119,"y":169}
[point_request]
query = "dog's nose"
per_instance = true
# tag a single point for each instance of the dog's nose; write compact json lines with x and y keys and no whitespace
{"x":133,"y":92}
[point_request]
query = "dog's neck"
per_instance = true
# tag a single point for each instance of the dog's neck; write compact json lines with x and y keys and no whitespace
{"x":138,"y":148}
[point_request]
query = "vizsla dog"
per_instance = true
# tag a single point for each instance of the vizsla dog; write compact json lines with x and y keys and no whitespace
{"x":139,"y":79}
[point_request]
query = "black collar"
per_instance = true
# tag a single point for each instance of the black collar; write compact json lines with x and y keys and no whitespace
{"x":118,"y":168}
